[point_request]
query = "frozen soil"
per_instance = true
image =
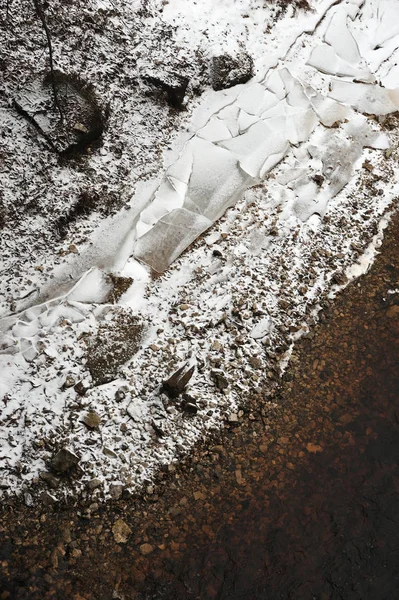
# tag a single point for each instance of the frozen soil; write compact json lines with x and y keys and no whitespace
{"x":89,"y":333}
{"x":297,"y":498}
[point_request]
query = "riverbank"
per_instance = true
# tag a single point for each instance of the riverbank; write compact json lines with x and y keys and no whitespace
{"x":296,"y":499}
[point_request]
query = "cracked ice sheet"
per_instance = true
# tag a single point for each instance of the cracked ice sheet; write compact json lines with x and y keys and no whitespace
{"x":258,"y":126}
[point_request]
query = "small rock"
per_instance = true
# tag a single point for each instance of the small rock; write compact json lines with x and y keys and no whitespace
{"x":116,"y":491}
{"x":313,"y":448}
{"x":177,"y":382}
{"x":121,"y":531}
{"x":174,"y":84}
{"x":219,"y":378}
{"x":109,"y":452}
{"x":51,"y":481}
{"x":227,"y":71}
{"x":120,"y":394}
{"x":47,"y":499}
{"x":28,"y":499}
{"x":92,"y":419}
{"x":393,"y":311}
{"x":233,"y":418}
{"x":64,"y":461}
{"x":146,"y":549}
{"x":94,"y":484}
{"x":239,"y":477}
{"x":69,"y":382}
{"x":217,"y":346}
{"x":189,"y":407}
{"x":199,"y":495}
{"x":80,"y":388}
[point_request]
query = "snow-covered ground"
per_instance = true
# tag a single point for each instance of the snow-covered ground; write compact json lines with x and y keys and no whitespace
{"x":233,"y":219}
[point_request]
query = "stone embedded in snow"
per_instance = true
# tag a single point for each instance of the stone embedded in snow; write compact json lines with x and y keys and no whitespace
{"x":172,"y":83}
{"x":368,"y":99}
{"x":227,"y":71}
{"x":64,"y":461}
{"x":81,"y":122}
{"x":177,"y":382}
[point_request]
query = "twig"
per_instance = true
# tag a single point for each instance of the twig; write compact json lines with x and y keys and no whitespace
{"x":42,"y":17}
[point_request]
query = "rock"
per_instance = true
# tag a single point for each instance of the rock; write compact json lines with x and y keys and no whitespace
{"x":121,"y":394}
{"x":80,"y":388}
{"x":109,"y":452}
{"x":227,"y":71}
{"x":114,"y":344}
{"x":64,"y":461}
{"x":121,"y":531}
{"x":82,"y":122}
{"x":92,"y":419}
{"x":393,"y":311}
{"x":189,"y":407}
{"x":116,"y":491}
{"x":146,"y":549}
{"x":51,"y":481}
{"x":313,"y":448}
{"x":199,"y":495}
{"x":174,"y":84}
{"x":239,"y":477}
{"x":69,"y":382}
{"x":233,"y":418}
{"x":28,"y":499}
{"x":94,"y":484}
{"x":219,"y":378}
{"x":47,"y":499}
{"x":177,"y":382}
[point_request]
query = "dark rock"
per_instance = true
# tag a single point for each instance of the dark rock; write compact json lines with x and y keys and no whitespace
{"x":120,"y":394}
{"x":219,"y":378}
{"x":158,"y":430}
{"x":64,"y":461}
{"x":80,"y":388}
{"x":80,"y":121}
{"x":189,"y":404}
{"x":227,"y":71}
{"x":177,"y":382}
{"x":174,"y":84}
{"x":47,"y":499}
{"x":114,"y":344}
{"x":190,"y":408}
{"x":51,"y":481}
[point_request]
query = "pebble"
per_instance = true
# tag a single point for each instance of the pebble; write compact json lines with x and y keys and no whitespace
{"x":121,"y":531}
{"x":146,"y":549}
{"x":92,"y":419}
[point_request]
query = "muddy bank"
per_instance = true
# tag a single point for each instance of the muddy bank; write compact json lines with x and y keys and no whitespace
{"x":297,"y":499}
